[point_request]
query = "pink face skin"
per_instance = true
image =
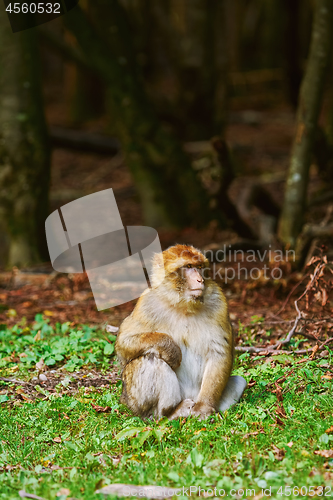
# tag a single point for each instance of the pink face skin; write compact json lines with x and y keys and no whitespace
{"x":195,"y":282}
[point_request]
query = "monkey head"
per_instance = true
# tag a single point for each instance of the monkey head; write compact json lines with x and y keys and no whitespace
{"x":185,"y":271}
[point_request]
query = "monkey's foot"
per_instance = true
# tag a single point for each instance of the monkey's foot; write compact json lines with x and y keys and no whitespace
{"x":183,"y":409}
{"x":202,"y":410}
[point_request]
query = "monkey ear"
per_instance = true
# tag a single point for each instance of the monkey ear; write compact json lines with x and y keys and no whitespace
{"x":158,"y":270}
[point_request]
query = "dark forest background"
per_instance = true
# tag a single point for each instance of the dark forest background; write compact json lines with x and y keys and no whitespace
{"x":212,"y":120}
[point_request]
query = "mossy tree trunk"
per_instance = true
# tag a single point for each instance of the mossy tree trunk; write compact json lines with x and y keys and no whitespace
{"x":170,"y":192}
{"x":24,"y":152}
{"x":310,"y":98}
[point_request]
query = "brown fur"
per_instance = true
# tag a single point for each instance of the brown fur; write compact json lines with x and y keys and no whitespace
{"x":176,"y":347}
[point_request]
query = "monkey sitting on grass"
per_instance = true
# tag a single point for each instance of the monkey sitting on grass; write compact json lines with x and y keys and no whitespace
{"x":176,"y":348}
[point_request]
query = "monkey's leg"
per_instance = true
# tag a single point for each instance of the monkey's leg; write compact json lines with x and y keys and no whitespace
{"x":233,"y":392}
{"x":150,"y":387}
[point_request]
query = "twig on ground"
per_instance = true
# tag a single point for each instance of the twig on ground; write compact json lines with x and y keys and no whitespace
{"x":292,"y":331}
{"x":24,"y":494}
{"x":14,"y":381}
{"x":269,"y":352}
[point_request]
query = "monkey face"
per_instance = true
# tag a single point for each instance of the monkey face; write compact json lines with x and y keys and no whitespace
{"x":193,"y":281}
{"x":186,"y":270}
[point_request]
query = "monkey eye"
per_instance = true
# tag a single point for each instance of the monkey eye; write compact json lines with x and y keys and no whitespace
{"x":189,"y":265}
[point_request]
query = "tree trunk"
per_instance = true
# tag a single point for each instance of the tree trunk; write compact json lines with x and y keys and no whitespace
{"x":310,"y":98}
{"x":293,"y":71}
{"x":24,"y":152}
{"x":170,"y":193}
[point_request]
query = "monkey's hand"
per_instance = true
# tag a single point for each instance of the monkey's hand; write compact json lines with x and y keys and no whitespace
{"x":131,"y":346}
{"x":182,"y":410}
{"x":165,"y":348}
{"x":202,"y":410}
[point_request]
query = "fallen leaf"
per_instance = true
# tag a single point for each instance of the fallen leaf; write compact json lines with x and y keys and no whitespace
{"x":99,"y":484}
{"x":278,"y":392}
{"x":101,"y":409}
{"x":203,"y":429}
{"x":28,"y":303}
{"x":312,"y":261}
{"x":11,"y":313}
{"x":314,"y":350}
{"x":248,"y":434}
{"x":48,"y":313}
{"x":37,"y":336}
{"x":115,"y":460}
{"x":281,"y":411}
{"x":57,"y":439}
{"x":63,"y":491}
{"x":325,"y":453}
{"x":330,"y":430}
{"x":25,"y":397}
{"x":324,"y":296}
{"x":278,"y":453}
{"x":46,"y":463}
{"x":290,"y":444}
{"x":23,"y":355}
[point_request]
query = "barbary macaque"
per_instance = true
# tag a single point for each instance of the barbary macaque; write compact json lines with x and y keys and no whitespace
{"x":176,"y":348}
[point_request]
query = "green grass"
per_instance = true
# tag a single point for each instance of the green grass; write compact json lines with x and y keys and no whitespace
{"x":239,"y":449}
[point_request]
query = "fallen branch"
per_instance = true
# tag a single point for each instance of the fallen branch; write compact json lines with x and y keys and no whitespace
{"x":269,"y":352}
{"x":81,"y":140}
{"x":14,"y":381}
{"x":280,"y":321}
{"x":24,"y":494}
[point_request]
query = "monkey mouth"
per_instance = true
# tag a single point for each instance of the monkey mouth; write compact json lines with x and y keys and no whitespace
{"x":196,"y":291}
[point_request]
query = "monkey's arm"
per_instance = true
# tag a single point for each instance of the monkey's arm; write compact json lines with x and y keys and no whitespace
{"x":132,"y":345}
